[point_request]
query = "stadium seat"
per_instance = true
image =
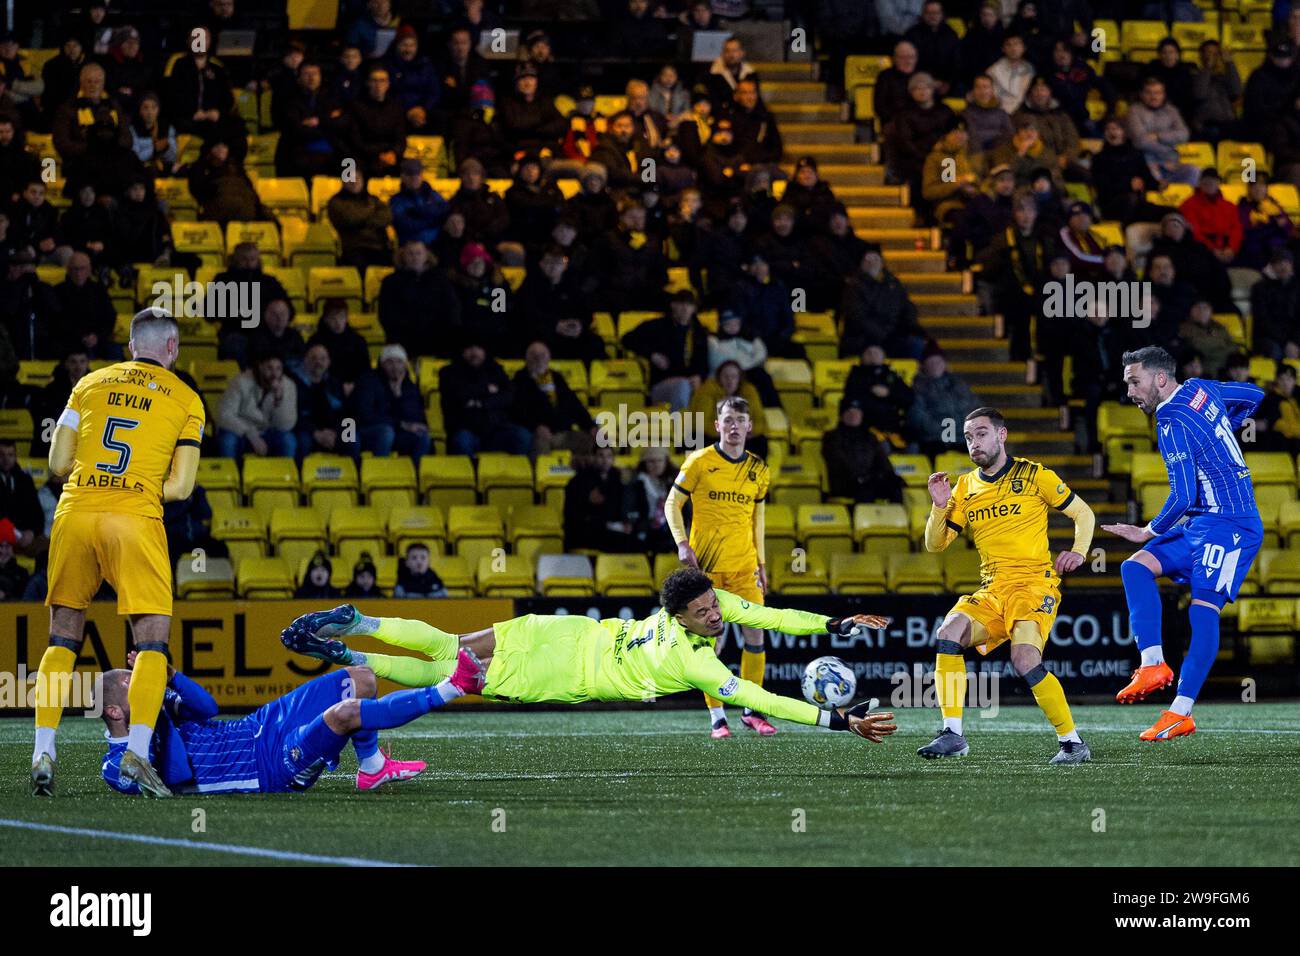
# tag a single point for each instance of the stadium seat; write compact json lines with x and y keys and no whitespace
{"x":617,"y":381}
{"x":238,"y":524}
{"x":829,"y":376}
{"x":456,"y":574}
{"x":1232,"y":156}
{"x":334,"y":282}
{"x":374,"y":278}
{"x":1149,"y":470}
{"x":427,"y":370}
{"x":553,"y":473}
{"x":802,"y":574}
{"x":38,"y":469}
{"x":808,"y":429}
{"x":408,"y":524}
{"x":779,"y":530}
{"x":797,"y":481}
{"x":534,"y":529}
{"x":1279,"y":571}
{"x":1115,"y":420}
{"x":36,"y":373}
{"x":284,"y":196}
{"x":913,"y":469}
{"x":393,"y":475}
{"x":1255,"y":615}
{"x":505,"y":576}
{"x":203,"y":239}
{"x":914,"y":574}
{"x":1288,"y":524}
{"x":218,"y":474}
{"x":881,"y":528}
{"x":365,"y":523}
{"x":1142,"y":35}
{"x":505,"y":480}
{"x":1151,"y":498}
{"x":308,"y":244}
{"x":175,"y":192}
{"x":475,"y":531}
{"x":824,"y":529}
{"x":794,"y":381}
{"x":1271,"y":468}
{"x":954,"y":463}
{"x":857,"y":573}
{"x":623,"y":575}
{"x":329,"y":481}
{"x":262,"y":577}
{"x":264,"y":235}
{"x":214,"y":376}
{"x":862,"y":69}
{"x":216,"y":579}
{"x":296,"y":524}
{"x":269,"y":473}
{"x":565,"y":575}
{"x":447,"y":480}
{"x":961,"y":570}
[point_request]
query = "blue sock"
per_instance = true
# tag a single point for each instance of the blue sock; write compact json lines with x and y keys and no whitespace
{"x":1200,"y":655}
{"x":398,"y":708}
{"x":1143,"y":603}
{"x":365,"y":743}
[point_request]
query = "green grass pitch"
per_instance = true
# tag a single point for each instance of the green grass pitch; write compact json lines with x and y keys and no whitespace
{"x":650,"y":787}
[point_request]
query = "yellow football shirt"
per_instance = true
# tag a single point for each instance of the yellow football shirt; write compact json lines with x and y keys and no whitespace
{"x":1007,"y":517}
{"x":724,"y":492}
{"x":129,"y":419}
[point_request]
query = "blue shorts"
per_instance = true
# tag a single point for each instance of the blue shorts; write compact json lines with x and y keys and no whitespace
{"x":1210,"y":552}
{"x":284,"y":747}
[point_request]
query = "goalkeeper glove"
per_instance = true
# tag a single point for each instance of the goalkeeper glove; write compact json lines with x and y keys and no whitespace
{"x":843,"y":626}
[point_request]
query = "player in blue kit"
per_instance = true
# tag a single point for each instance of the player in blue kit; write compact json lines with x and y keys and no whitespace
{"x":282,"y":746}
{"x":1209,"y":485}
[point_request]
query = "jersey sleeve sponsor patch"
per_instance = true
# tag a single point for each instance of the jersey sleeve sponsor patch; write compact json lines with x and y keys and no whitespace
{"x":729,"y":688}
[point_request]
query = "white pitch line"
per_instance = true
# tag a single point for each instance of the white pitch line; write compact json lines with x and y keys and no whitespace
{"x":197,"y":845}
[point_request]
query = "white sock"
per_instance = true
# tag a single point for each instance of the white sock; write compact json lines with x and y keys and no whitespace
{"x":44,"y":743}
{"x":448,"y":691}
{"x":953,"y":724}
{"x":1072,"y":735}
{"x":137,"y":740}
{"x":1153,"y":655}
{"x":363,"y":625}
{"x":374,"y":763}
{"x":716,"y":714}
{"x":1182,"y":705}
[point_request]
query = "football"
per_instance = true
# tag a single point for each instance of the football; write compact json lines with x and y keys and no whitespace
{"x":828,"y":682}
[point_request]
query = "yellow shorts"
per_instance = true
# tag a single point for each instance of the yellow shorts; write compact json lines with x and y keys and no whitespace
{"x":996,"y":608}
{"x":743,"y":584}
{"x":127,"y":551}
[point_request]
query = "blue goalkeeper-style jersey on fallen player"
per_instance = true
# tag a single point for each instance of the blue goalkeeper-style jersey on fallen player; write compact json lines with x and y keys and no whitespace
{"x":1207,"y":471}
{"x":267,"y":751}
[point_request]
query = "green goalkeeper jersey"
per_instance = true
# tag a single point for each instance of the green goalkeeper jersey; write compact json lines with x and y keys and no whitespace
{"x":573,"y":658}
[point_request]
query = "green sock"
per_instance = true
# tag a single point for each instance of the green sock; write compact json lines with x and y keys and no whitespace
{"x":412,"y":635}
{"x":410,"y":671}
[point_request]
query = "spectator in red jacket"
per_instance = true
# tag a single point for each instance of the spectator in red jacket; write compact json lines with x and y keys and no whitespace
{"x":1214,"y":221}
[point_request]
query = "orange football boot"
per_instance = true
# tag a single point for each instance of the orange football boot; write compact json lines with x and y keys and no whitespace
{"x":1169,"y":726}
{"x":1146,"y":680}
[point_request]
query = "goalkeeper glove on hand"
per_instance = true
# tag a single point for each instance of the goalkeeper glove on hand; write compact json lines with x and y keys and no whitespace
{"x":843,"y":626}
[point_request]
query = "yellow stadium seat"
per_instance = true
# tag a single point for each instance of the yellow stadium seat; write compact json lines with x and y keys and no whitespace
{"x":623,"y":575}
{"x":38,"y":469}
{"x":330,"y":282}
{"x":1190,"y":36}
{"x":203,"y":239}
{"x":447,"y":480}
{"x":1151,"y":498}
{"x":1279,"y":571}
{"x":961,"y":570}
{"x":780,"y":531}
{"x":879,"y":528}
{"x":264,"y":235}
{"x":1115,"y":420}
{"x":565,"y":575}
{"x":824,"y":529}
{"x":296,"y":524}
{"x":427,"y":370}
{"x":218,"y":474}
{"x":617,"y":381}
{"x":630,"y":320}
{"x":175,"y":192}
{"x":553,"y":473}
{"x":1239,"y":35}
{"x":857,"y":573}
{"x":1149,"y":470}
{"x":388,"y":474}
{"x":504,"y":479}
{"x":322,"y":471}
{"x":148,"y":276}
{"x":1288,"y":523}
{"x":323,"y":189}
{"x":815,"y":331}
{"x":375,"y":275}
{"x":1142,"y":35}
{"x":1259,"y":614}
{"x":475,"y":530}
{"x":808,"y":429}
{"x":914,"y":574}
{"x":793,"y":378}
{"x":261,"y":577}
{"x":284,"y":196}
{"x":862,"y":69}
{"x":505,"y":576}
{"x":953,"y":463}
{"x":1271,"y":468}
{"x":36,"y":372}
{"x":214,"y":376}
{"x":365,"y":523}
{"x":215,"y":580}
{"x":408,"y":524}
{"x":802,"y":574}
{"x":798,"y":481}
{"x":1287,"y":196}
{"x":534,"y":529}
{"x":427,"y":149}
{"x":1270,"y":498}
{"x":1232,"y":156}
{"x":913,"y":469}
{"x":264,"y":473}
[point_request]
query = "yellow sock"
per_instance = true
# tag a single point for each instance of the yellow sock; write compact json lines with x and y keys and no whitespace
{"x":52,"y":685}
{"x":1051,"y":701}
{"x":753,"y":665}
{"x":418,"y":636}
{"x":410,"y":671}
{"x":711,"y":702}
{"x":950,"y":684}
{"x":148,"y":684}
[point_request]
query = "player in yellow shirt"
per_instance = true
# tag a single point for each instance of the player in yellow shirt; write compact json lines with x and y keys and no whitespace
{"x":130,"y":438}
{"x":727,"y":486}
{"x":1004,"y":503}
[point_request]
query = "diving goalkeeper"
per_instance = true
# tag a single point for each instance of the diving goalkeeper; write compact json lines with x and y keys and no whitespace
{"x":568,"y":659}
